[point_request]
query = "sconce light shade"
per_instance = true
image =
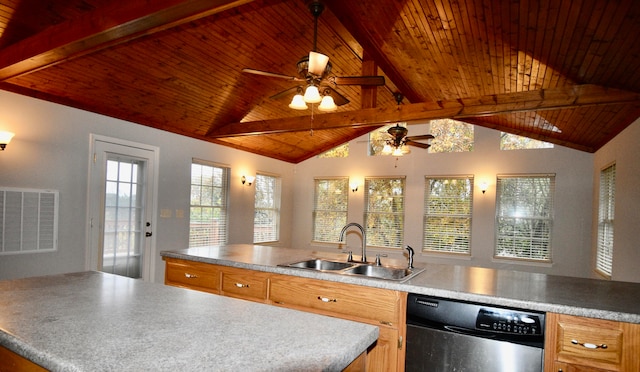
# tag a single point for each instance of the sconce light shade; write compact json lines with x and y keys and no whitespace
{"x":484,"y":185}
{"x":248,"y":180}
{"x":354,"y":187}
{"x":297,"y":103}
{"x":327,"y":104}
{"x":5,"y":138}
{"x":312,"y":94}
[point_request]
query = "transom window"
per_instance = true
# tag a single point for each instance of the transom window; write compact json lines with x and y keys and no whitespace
{"x":384,"y":211}
{"x":447,"y":214}
{"x":524,"y":217}
{"x":266,"y":221}
{"x":209,"y":203}
{"x":606,"y":209}
{"x":330,"y":201}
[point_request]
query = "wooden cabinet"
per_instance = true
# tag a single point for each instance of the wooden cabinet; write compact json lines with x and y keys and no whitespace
{"x":243,"y":283}
{"x":579,"y":344}
{"x":12,"y":362}
{"x":381,"y":307}
{"x":193,"y":275}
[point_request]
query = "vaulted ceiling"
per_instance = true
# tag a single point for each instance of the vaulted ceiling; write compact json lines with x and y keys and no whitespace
{"x":564,"y":71}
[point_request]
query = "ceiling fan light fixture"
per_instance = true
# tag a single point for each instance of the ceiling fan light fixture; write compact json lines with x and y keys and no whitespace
{"x":312,"y":94}
{"x":317,"y":63}
{"x":327,"y":104}
{"x":387,"y":149}
{"x":298,"y":103}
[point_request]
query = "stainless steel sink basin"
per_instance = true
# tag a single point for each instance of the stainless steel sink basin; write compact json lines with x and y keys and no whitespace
{"x":321,"y":265}
{"x":367,"y":270}
{"x":383,"y":272}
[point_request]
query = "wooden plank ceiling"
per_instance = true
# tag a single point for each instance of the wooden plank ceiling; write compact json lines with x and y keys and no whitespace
{"x":565,"y":71}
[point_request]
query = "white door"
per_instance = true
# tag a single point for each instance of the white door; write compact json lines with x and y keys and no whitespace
{"x":121,"y":208}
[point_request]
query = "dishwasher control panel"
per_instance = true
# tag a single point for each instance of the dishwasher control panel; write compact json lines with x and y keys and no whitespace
{"x":506,"y":321}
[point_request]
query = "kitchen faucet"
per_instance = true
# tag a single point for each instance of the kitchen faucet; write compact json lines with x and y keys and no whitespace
{"x":364,"y":238}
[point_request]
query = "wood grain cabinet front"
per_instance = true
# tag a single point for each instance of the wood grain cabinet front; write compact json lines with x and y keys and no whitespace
{"x":246,"y":284}
{"x":193,"y":275}
{"x":579,"y":344}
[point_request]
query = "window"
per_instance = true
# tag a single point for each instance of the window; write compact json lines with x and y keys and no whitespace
{"x":450,"y":136}
{"x":28,"y":220}
{"x":341,"y":151}
{"x":524,"y":217}
{"x":514,"y":142}
{"x":266,"y":220}
{"x":208,"y":212}
{"x":447,"y":214}
{"x":604,"y":251}
{"x":384,"y":211}
{"x":330,"y":208}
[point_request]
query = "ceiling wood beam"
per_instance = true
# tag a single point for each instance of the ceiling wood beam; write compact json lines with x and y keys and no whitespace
{"x":118,"y":22}
{"x":545,"y":99}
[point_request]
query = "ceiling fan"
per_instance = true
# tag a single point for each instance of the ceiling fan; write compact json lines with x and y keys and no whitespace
{"x":397,"y":144}
{"x":314,"y":71}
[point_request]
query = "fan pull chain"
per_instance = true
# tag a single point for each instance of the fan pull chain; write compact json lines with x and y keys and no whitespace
{"x":311,"y":128}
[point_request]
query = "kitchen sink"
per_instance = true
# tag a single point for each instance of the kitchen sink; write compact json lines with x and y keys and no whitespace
{"x":360,"y":269}
{"x":321,"y":265}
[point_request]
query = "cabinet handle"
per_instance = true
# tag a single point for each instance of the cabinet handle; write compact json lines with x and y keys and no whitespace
{"x":324,"y":299}
{"x":240,"y":285}
{"x":190,"y":276}
{"x":589,"y":345}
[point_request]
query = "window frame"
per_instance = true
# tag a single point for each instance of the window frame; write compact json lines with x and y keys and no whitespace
{"x":372,"y":229}
{"x":223,"y":207}
{"x":273,"y":209}
{"x":606,"y":217}
{"x":447,"y":213}
{"x":520,"y":238}
{"x":341,"y":214}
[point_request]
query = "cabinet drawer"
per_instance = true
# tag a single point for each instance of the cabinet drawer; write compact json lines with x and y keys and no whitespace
{"x":593,"y":342}
{"x":194,"y":275}
{"x":243,"y":283}
{"x":379,"y":305}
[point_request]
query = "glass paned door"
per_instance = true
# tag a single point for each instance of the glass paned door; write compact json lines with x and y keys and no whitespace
{"x":123,"y":242}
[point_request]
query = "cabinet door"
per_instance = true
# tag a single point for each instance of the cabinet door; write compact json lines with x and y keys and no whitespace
{"x":193,"y":275}
{"x":245,"y":284}
{"x":566,"y":367}
{"x":383,"y":357}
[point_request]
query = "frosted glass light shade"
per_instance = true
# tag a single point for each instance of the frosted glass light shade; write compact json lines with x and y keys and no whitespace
{"x":327,"y":104}
{"x":312,"y":94}
{"x":317,"y":63}
{"x":297,"y":103}
{"x":5,"y":138}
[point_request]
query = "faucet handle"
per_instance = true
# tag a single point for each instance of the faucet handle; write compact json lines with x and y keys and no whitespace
{"x":350,"y":257}
{"x":378,"y":263}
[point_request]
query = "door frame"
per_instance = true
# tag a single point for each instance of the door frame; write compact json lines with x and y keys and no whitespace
{"x":91,"y":254}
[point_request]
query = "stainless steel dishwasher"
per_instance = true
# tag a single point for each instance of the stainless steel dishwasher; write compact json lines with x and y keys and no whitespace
{"x":446,"y":335}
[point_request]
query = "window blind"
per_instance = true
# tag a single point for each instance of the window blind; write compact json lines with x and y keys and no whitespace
{"x":266,"y":220}
{"x":28,"y":220}
{"x":606,"y":209}
{"x":524,"y":217}
{"x":447,"y":214}
{"x":208,"y":215}
{"x":330,"y":202}
{"x":384,"y":211}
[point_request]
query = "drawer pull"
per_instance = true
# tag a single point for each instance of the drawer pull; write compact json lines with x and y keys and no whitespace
{"x":240,"y":285}
{"x":324,"y":299}
{"x":190,"y":276}
{"x":589,"y":345}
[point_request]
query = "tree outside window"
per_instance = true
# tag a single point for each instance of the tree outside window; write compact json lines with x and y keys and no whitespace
{"x":384,"y":211}
{"x":209,"y":201}
{"x":330,"y":208}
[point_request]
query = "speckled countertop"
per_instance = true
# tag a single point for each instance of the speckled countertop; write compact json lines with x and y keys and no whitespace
{"x":602,"y":299}
{"x":93,"y":321}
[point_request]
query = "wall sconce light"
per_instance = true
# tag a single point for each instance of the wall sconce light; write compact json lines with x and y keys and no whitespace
{"x":354,"y":187}
{"x":247,"y":180}
{"x":5,"y":138}
{"x":484,"y":185}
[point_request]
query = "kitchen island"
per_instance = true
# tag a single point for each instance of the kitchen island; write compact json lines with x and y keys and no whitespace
{"x":93,"y":321}
{"x":610,"y":300}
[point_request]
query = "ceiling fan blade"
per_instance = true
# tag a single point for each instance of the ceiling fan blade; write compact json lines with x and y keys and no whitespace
{"x":338,"y":98}
{"x":317,"y":63}
{"x":284,"y":93}
{"x":417,"y":144}
{"x":271,"y":74}
{"x":359,"y":80}
{"x":421,"y":138}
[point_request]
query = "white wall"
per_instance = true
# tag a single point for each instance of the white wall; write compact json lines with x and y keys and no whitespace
{"x":623,"y":150}
{"x":573,"y":197}
{"x":51,"y":151}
